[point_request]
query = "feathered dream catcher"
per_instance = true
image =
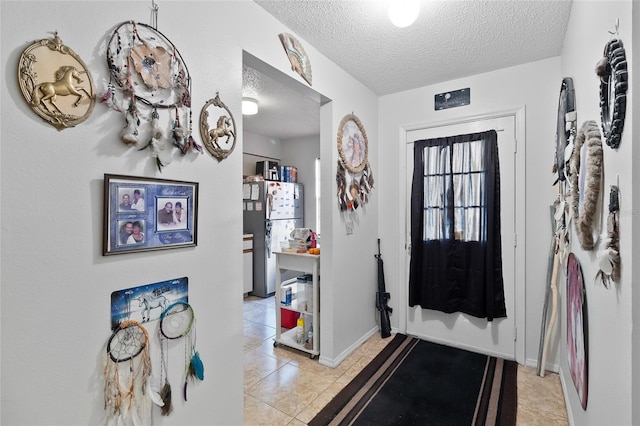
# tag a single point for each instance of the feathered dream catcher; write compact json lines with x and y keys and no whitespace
{"x":297,"y":56}
{"x":221,"y":139}
{"x":609,"y":254}
{"x":55,"y":83}
{"x":178,"y":321}
{"x":586,"y":181}
{"x":354,"y":178}
{"x":612,"y":70}
{"x":126,"y":375}
{"x":147,"y":74}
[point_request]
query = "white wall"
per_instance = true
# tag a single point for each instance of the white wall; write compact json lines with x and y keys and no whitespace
{"x":533,"y":86}
{"x":258,"y":148}
{"x":302,"y":153}
{"x":56,"y":285}
{"x":610,"y":314}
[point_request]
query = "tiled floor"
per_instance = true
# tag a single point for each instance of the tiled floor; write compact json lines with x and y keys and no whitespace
{"x":285,"y":387}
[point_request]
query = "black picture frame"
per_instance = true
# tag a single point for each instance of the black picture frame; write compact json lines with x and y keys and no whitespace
{"x":132,"y":202}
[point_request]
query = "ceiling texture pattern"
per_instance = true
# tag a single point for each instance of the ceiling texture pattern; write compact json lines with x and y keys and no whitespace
{"x":449,"y":40}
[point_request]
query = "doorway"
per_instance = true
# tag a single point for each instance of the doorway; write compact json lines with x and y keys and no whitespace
{"x":499,"y":337}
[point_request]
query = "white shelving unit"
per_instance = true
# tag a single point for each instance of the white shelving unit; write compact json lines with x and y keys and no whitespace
{"x":309,"y":264}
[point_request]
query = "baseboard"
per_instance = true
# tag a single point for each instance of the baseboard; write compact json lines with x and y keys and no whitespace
{"x":565,"y":393}
{"x":334,"y":362}
{"x":554,"y":368}
{"x":455,"y":344}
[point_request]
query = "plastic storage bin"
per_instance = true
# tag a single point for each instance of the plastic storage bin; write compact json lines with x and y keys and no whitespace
{"x":288,"y":318}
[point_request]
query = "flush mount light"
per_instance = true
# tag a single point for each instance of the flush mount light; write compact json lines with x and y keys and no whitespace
{"x":249,"y":106}
{"x":403,"y":12}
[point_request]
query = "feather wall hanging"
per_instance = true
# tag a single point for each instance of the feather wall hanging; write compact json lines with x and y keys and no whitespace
{"x":609,"y":254}
{"x":149,"y":76}
{"x":354,"y":178}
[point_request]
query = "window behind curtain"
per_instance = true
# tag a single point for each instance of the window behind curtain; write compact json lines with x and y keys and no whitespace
{"x":454,"y":184}
{"x":456,"y":255}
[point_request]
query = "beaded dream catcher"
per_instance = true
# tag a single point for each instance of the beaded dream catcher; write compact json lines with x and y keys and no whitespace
{"x":354,"y":178}
{"x":178,"y":321}
{"x":147,"y":74}
{"x":126,"y":373}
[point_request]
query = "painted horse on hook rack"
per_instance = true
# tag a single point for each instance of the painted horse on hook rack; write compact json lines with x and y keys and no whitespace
{"x":150,"y":302}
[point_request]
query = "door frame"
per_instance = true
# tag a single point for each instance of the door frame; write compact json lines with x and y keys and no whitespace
{"x":404,"y":249}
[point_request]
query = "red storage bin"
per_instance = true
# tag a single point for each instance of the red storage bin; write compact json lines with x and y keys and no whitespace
{"x":288,"y":318}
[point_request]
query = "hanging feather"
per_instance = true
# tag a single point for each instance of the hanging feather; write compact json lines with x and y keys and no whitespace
{"x":129,"y":133}
{"x":179,"y":135}
{"x":165,"y":395}
{"x":156,"y":398}
{"x":156,"y":129}
{"x":197,"y":366}
{"x":109,"y":98}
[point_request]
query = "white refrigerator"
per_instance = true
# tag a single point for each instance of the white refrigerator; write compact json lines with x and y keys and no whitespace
{"x":271,"y":211}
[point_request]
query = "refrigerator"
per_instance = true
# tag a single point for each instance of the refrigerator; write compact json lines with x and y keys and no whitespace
{"x":271,"y":211}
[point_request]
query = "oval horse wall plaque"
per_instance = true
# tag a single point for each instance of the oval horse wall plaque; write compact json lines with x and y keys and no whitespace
{"x":56,"y":83}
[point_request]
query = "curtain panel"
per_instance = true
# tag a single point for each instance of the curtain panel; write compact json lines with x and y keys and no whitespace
{"x":456,"y":252}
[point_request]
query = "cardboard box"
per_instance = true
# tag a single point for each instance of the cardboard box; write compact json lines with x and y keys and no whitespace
{"x":268,"y":169}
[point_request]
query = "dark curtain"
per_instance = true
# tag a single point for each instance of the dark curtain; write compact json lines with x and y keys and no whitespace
{"x":456,"y":253}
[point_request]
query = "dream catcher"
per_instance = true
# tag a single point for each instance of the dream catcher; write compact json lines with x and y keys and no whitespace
{"x":178,"y":321}
{"x":354,"y":178}
{"x":126,"y":373}
{"x":221,"y":139}
{"x":147,"y":74}
{"x":614,"y":81}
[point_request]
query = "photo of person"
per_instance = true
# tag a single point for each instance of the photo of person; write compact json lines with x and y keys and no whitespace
{"x":137,"y":234}
{"x":125,"y":205}
{"x":126,"y":229}
{"x":165,"y":215}
{"x":138,"y":200}
{"x":179,"y":216}
{"x":172,"y":214}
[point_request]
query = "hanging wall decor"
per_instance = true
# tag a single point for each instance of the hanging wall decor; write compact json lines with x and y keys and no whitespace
{"x":612,"y":70}
{"x":221,"y":139}
{"x":577,"y":328}
{"x":609,"y":254}
{"x":586,"y":180}
{"x":56,"y":83}
{"x":353,"y":145}
{"x":354,"y":177}
{"x":297,"y":56}
{"x":126,"y":388}
{"x":148,"y":74}
{"x":143,"y":214}
{"x":565,"y":128}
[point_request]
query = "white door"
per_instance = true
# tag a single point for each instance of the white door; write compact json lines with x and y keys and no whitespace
{"x":457,"y":329}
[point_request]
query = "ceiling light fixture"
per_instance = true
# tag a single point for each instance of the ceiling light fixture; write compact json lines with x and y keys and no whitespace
{"x":403,"y":12}
{"x":249,"y":106}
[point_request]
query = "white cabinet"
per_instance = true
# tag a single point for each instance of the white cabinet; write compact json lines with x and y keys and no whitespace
{"x":305,"y":302}
{"x":247,"y":263}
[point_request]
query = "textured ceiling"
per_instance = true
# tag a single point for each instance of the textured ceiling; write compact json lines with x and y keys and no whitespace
{"x":449,"y":40}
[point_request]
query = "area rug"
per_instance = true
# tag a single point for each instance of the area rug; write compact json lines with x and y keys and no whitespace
{"x":415,"y":382}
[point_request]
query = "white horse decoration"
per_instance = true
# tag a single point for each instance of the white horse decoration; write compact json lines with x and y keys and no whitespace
{"x":151,"y":302}
{"x":63,"y":86}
